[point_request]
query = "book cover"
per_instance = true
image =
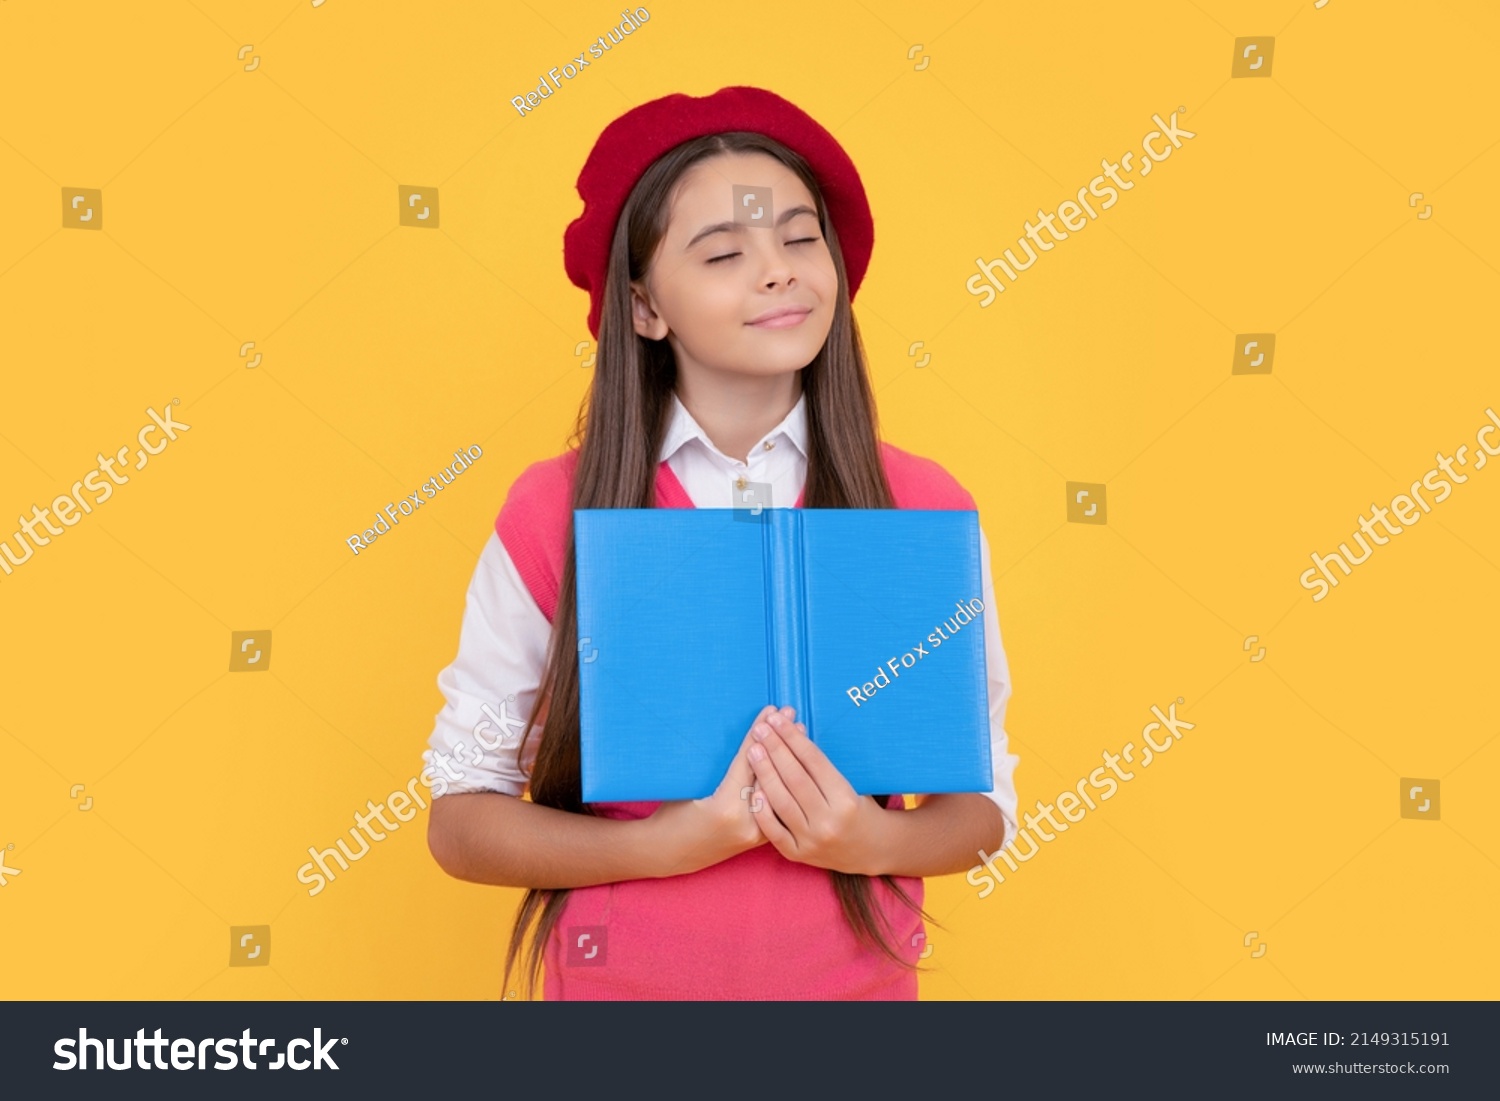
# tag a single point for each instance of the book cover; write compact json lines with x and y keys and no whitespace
{"x":868,"y":621}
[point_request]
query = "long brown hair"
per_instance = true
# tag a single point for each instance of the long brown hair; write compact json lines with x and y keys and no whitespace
{"x":618,"y":441}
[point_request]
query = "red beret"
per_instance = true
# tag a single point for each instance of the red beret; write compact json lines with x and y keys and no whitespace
{"x":630,"y":144}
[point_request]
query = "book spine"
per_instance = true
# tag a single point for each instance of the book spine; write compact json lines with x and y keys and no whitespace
{"x":786,"y":612}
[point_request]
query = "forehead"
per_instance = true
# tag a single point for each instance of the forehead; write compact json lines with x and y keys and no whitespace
{"x":706,"y":191}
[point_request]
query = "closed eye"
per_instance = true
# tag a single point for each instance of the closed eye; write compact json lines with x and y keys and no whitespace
{"x":731,"y":255}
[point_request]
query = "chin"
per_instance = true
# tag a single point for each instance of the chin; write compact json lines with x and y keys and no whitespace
{"x":784,"y":354}
{"x":784,"y":361}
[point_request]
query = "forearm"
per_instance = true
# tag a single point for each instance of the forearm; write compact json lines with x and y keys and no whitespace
{"x":505,"y":841}
{"x":942,"y":835}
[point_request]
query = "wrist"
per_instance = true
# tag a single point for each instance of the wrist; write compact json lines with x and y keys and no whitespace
{"x":656,"y":848}
{"x":884,"y":836}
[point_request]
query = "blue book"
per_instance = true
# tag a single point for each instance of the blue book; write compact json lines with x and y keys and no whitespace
{"x":868,"y":621}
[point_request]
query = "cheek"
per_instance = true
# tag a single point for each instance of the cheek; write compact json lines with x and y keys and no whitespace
{"x":702,"y":306}
{"x":824,"y":276}
{"x":687,"y":296}
{"x":715,"y":300}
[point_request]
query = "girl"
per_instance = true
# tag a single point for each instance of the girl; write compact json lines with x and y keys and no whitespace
{"x":721,"y":242}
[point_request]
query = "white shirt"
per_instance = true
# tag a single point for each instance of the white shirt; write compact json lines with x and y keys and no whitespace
{"x":491,"y":686}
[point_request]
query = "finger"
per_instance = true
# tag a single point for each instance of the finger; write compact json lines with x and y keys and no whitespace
{"x":755,"y":797}
{"x":740,"y":771}
{"x":794,"y":773}
{"x":740,"y":775}
{"x":828,"y":779}
{"x":778,"y":792}
{"x":772,"y":827}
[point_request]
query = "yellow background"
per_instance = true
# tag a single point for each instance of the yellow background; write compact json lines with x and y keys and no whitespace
{"x":262,"y":206}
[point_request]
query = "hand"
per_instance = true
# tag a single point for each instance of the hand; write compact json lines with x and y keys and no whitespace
{"x":811,"y":814}
{"x":698,"y":833}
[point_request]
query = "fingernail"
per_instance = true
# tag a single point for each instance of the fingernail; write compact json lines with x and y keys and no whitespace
{"x":757,"y":753}
{"x":759,"y":731}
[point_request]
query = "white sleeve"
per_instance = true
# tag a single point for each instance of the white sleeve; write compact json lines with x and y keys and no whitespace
{"x":491,"y":686}
{"x":1003,"y":761}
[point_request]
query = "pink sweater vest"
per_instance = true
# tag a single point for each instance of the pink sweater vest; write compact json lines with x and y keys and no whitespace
{"x":754,"y":927}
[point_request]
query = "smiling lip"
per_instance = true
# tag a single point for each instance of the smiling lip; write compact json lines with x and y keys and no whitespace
{"x":783,"y":318}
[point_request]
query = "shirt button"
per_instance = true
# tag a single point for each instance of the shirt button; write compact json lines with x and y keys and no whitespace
{"x":768,"y":445}
{"x":739,"y":482}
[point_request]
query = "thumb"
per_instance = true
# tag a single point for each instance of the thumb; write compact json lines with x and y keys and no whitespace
{"x":741,"y":775}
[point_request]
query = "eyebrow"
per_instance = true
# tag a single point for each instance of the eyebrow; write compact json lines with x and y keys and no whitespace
{"x":731,"y":227}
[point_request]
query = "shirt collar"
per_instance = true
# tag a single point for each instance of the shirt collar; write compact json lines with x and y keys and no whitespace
{"x":681,"y":427}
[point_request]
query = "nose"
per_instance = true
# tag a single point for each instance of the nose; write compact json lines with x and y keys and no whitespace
{"x":775,"y":260}
{"x":777,"y":269}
